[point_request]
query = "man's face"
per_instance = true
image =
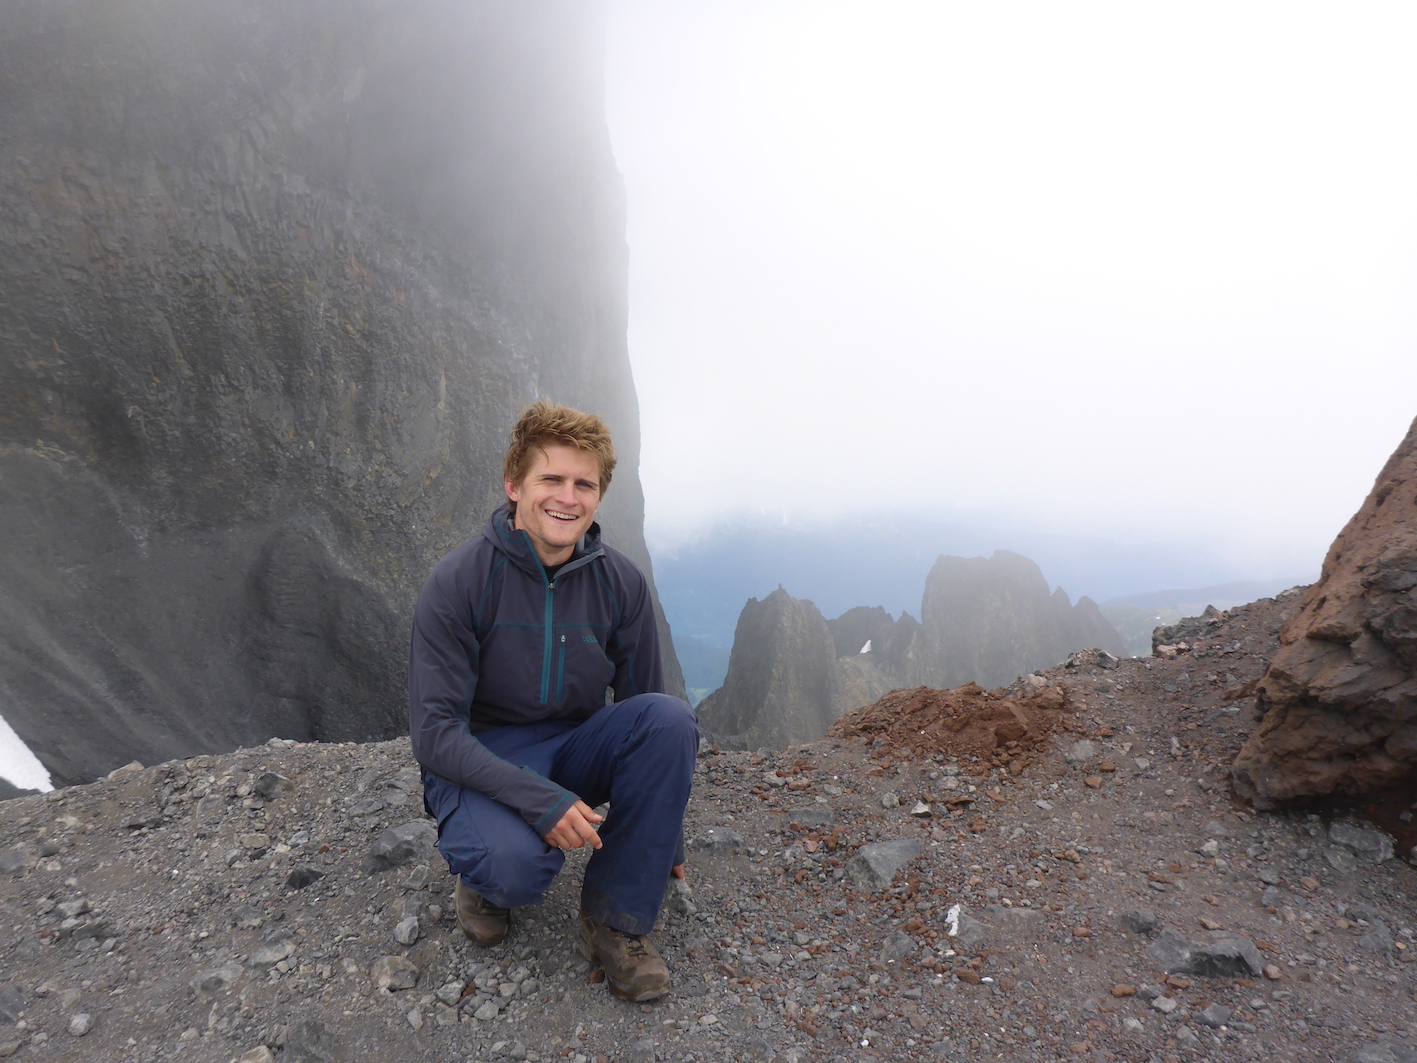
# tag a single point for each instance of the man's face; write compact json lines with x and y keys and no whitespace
{"x":557,"y":500}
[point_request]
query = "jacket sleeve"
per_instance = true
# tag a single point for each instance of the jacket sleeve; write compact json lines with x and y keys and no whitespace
{"x":633,"y":646}
{"x":442,"y":676}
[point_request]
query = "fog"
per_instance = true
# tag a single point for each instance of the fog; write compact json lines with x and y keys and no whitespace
{"x":1143,"y":272}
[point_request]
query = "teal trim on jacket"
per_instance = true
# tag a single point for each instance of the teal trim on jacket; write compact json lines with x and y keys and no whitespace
{"x":494,"y":643}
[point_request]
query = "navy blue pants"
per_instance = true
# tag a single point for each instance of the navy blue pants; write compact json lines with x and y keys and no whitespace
{"x":637,"y":754}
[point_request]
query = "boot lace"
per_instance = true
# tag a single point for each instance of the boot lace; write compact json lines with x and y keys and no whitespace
{"x":635,"y":946}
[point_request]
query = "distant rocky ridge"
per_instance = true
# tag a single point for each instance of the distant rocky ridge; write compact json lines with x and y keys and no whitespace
{"x":1340,"y":696}
{"x":277,"y":280}
{"x":792,"y":672}
{"x":1137,"y":616}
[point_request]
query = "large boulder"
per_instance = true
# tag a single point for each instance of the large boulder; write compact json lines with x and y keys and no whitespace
{"x":278,"y":279}
{"x":1339,"y":699}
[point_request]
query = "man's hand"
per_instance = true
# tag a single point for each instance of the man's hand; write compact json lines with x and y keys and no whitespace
{"x":677,"y":871}
{"x":575,"y":829}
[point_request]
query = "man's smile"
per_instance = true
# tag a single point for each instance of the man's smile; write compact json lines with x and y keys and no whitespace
{"x":557,"y":500}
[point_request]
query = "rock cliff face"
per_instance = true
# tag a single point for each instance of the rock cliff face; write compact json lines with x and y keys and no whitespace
{"x":890,"y":640}
{"x":792,"y":673}
{"x":278,"y":279}
{"x":989,"y":621}
{"x":779,"y":685}
{"x":1340,"y":696}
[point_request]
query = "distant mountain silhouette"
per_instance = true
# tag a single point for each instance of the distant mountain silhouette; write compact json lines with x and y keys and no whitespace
{"x":883,"y":561}
{"x":792,"y":672}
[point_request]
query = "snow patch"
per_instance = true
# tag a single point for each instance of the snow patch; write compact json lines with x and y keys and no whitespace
{"x":18,"y":764}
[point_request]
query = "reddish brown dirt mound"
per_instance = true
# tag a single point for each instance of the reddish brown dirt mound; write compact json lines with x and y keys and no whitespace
{"x":966,"y":721}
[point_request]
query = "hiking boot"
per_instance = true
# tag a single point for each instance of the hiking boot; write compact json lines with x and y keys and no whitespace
{"x":634,"y":969}
{"x":482,"y":921}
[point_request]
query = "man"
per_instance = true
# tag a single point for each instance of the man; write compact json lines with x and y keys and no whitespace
{"x":517,"y":636}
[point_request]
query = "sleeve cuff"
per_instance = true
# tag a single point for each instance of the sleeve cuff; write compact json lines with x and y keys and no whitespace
{"x":551,"y":818}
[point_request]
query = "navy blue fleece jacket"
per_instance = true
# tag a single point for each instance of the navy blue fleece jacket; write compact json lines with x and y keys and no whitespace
{"x":496,"y":643}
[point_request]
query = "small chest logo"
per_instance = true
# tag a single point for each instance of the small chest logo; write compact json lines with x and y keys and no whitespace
{"x":587,"y":638}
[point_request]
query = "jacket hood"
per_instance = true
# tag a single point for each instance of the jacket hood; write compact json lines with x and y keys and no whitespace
{"x":516,"y":544}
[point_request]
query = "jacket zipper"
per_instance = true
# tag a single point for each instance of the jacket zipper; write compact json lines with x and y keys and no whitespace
{"x":561,"y":670}
{"x":548,"y":641}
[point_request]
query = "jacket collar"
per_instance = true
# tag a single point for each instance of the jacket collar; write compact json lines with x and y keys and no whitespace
{"x":516,"y":544}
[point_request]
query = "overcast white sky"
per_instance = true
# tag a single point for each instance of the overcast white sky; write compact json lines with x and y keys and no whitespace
{"x":1145,"y":270}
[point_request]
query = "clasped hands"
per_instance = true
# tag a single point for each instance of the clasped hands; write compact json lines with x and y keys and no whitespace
{"x":577,"y":828}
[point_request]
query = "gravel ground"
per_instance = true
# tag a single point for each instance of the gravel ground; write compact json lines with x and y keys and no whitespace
{"x":274,"y":903}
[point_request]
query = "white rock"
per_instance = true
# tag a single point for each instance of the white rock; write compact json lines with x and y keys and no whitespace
{"x":487,"y":1011}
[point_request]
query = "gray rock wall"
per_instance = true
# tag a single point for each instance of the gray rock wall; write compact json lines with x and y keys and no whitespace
{"x":278,"y":278}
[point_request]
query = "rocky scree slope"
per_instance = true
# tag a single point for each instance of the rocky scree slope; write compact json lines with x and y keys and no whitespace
{"x":279,"y":278}
{"x":1115,"y":903}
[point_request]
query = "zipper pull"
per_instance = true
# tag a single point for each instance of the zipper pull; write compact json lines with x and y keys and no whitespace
{"x":563,"y":640}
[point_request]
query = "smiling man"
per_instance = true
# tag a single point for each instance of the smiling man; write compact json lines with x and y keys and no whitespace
{"x":517,"y":637}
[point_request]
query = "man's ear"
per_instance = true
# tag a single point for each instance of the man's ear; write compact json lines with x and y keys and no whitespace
{"x":513,"y":491}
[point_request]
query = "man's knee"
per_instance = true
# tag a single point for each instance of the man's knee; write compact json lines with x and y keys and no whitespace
{"x":500,"y":858}
{"x":512,"y":880}
{"x":666,"y":714}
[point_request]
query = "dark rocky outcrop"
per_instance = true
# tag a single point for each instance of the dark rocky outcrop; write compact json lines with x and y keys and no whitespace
{"x":779,"y":685}
{"x":990,"y":621}
{"x":9,"y":790}
{"x":1340,"y":696}
{"x":1186,"y":629}
{"x":890,"y":639}
{"x":792,"y":673}
{"x":277,"y":279}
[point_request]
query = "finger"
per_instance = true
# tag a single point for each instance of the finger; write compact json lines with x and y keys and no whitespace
{"x":561,"y":837}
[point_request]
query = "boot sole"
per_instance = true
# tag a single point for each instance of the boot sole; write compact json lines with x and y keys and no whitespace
{"x":482,"y":941}
{"x":625,"y":993}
